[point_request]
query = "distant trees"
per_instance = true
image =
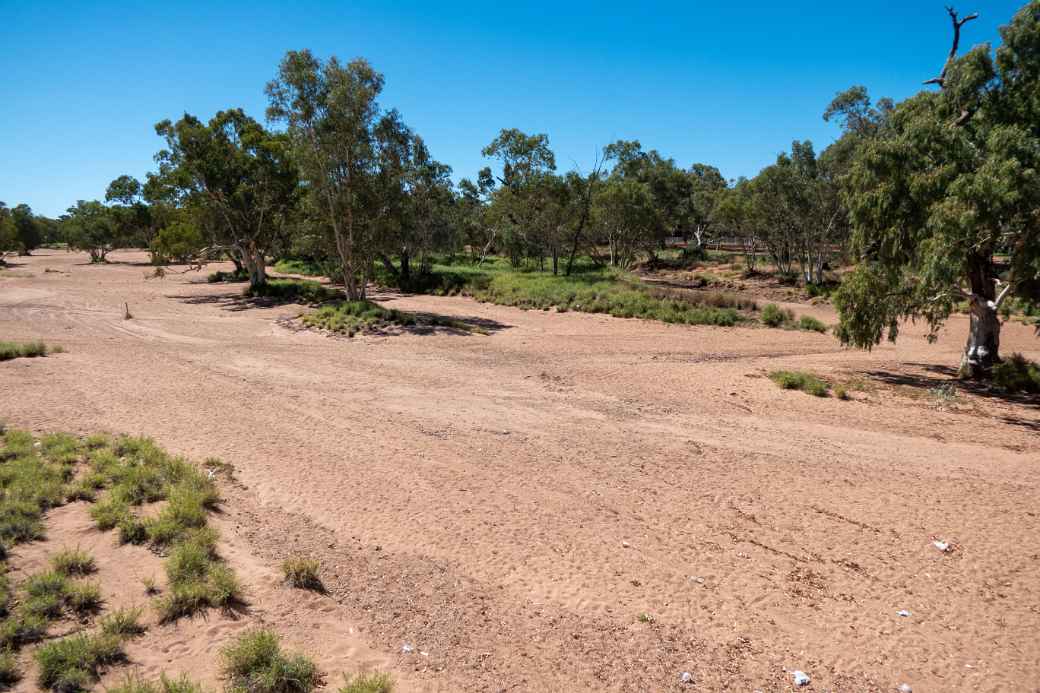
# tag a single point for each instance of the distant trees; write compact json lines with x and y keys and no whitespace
{"x":236,"y":177}
{"x":944,"y":195}
{"x":28,"y":231}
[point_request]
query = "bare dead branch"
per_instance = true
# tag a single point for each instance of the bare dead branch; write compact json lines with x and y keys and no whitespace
{"x":957,"y":22}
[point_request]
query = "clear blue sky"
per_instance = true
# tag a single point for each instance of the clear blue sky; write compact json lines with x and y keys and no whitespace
{"x":726,"y":83}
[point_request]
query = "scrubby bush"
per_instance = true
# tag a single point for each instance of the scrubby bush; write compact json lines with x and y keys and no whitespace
{"x":811,"y":324}
{"x":255,"y":663}
{"x":800,"y":380}
{"x":294,"y":290}
{"x":1017,"y":374}
{"x":775,"y":316}
{"x":13,"y":350}
{"x":220,"y":276}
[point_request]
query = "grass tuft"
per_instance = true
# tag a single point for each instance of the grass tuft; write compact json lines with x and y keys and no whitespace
{"x":73,"y":562}
{"x":74,"y":663}
{"x":255,"y":663}
{"x":1017,"y":374}
{"x":302,"y":573}
{"x":123,"y":623}
{"x":14,"y":350}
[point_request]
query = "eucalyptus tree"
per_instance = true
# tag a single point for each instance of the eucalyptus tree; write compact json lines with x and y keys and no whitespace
{"x":236,"y":176}
{"x":27,"y":229}
{"x":331,"y":111}
{"x":92,"y":227}
{"x":950,"y":183}
{"x":734,"y":213}
{"x":624,"y":216}
{"x":124,"y":196}
{"x":8,"y":237}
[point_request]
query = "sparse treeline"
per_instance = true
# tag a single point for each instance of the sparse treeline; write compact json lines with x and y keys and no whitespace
{"x":936,"y":199}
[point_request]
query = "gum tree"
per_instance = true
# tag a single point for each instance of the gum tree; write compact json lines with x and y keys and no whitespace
{"x":237,"y":176}
{"x":945,"y":199}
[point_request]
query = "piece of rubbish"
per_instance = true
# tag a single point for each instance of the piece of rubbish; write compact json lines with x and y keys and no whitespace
{"x":904,"y":613}
{"x":625,"y":544}
{"x":905,"y":688}
{"x":686,"y":677}
{"x":943,"y":546}
{"x":800,"y":678}
{"x":406,"y":648}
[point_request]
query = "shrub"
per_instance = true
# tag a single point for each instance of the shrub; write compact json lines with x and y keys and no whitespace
{"x":181,"y":684}
{"x":255,"y":663}
{"x":221,"y":276}
{"x":302,"y":573}
{"x":368,"y":683}
{"x":1017,"y":374}
{"x":811,"y":324}
{"x":294,"y":290}
{"x":225,"y":589}
{"x":179,"y":242}
{"x":841,"y":392}
{"x":775,"y":316}
{"x":800,"y":380}
{"x":73,"y":562}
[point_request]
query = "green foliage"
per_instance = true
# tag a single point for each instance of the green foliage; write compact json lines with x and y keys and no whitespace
{"x":255,"y":663}
{"x":83,"y":597}
{"x":294,"y":290}
{"x":800,"y":380}
{"x":368,"y":683}
{"x":302,"y":572}
{"x":180,"y":241}
{"x":221,"y":276}
{"x":135,"y":684}
{"x":9,"y":672}
{"x":73,"y":562}
{"x":1017,"y":374}
{"x":14,"y":350}
{"x":92,"y":227}
{"x":74,"y":663}
{"x":351,"y":317}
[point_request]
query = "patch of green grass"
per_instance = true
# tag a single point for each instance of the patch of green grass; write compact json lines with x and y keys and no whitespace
{"x":255,"y":663}
{"x":14,"y":350}
{"x":352,"y":317}
{"x":294,"y":291}
{"x":800,"y":380}
{"x":302,"y":572}
{"x":605,"y":294}
{"x":1017,"y":374}
{"x":368,"y":683}
{"x":304,"y":266}
{"x":75,"y":662}
{"x":73,"y":562}
{"x":83,"y":598}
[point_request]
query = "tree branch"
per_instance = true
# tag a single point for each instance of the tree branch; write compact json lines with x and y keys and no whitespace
{"x":957,"y":24}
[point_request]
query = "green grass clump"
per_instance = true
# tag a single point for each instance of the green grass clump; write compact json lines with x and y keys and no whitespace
{"x":14,"y":350}
{"x":304,"y":266}
{"x":294,"y":290}
{"x":800,"y":380}
{"x":197,"y":580}
{"x":302,"y":573}
{"x":73,"y":562}
{"x":255,"y":663}
{"x":74,"y":663}
{"x":368,"y":683}
{"x":123,"y":623}
{"x":1017,"y":374}
{"x":351,"y":317}
{"x":221,"y":276}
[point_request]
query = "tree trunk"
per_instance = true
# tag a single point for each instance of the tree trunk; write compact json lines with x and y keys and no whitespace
{"x":982,"y":351}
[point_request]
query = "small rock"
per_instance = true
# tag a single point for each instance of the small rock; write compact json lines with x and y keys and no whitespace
{"x":625,"y":544}
{"x":800,"y":678}
{"x":686,"y":677}
{"x":904,"y":613}
{"x":905,"y":688}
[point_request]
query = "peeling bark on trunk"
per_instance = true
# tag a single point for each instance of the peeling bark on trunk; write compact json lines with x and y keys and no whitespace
{"x":982,"y":351}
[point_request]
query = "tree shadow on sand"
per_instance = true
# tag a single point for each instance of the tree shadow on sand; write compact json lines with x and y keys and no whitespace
{"x":935,"y":376}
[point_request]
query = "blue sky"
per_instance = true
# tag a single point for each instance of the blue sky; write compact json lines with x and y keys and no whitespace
{"x":726,"y":83}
